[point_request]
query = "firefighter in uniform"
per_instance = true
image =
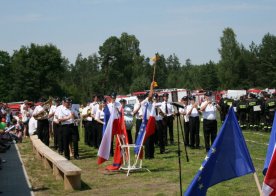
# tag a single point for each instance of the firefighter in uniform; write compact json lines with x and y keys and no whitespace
{"x":242,"y":112}
{"x":270,"y":111}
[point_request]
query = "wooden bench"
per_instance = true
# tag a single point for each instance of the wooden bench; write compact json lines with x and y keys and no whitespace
{"x":62,"y":168}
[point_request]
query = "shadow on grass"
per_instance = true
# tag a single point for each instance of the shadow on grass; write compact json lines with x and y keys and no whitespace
{"x":40,"y":189}
{"x":84,"y":186}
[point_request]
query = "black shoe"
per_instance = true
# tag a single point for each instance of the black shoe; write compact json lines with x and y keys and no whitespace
{"x":77,"y":157}
{"x":68,"y":158}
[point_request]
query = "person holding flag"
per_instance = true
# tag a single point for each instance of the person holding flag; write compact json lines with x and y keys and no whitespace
{"x":147,"y":127}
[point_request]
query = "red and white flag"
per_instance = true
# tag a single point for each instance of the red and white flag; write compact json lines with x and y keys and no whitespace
{"x":269,"y":185}
{"x":104,"y":150}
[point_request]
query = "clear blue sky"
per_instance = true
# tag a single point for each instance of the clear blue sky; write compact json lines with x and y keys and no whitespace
{"x":190,"y":29}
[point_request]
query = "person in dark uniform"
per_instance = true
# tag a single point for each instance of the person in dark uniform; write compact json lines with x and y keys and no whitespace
{"x":270,"y":108}
{"x":252,"y":112}
{"x":209,"y":109}
{"x":223,"y":110}
{"x":242,"y":112}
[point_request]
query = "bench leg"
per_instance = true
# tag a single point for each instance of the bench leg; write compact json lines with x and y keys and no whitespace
{"x":72,"y":182}
{"x":57,"y":173}
{"x":47,"y":163}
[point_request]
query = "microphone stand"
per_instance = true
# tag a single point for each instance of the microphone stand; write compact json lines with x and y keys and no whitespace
{"x":178,"y":122}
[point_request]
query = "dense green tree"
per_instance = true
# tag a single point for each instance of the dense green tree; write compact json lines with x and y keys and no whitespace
{"x":228,"y":65}
{"x":5,"y":76}
{"x":36,"y":71}
{"x":267,"y":62}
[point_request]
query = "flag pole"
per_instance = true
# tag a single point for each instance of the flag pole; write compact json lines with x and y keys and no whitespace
{"x":257,"y":183}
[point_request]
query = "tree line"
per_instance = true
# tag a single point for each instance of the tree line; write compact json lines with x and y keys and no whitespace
{"x":41,"y":70}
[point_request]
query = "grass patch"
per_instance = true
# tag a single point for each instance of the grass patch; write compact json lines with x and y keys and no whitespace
{"x":162,"y":180}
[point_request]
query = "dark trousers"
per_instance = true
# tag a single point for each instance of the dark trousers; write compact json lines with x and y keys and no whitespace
{"x":43,"y":131}
{"x":187,"y":133}
{"x":160,"y":135}
{"x":242,"y":118}
{"x":60,"y":138}
{"x":75,"y":140}
{"x":138,"y":124}
{"x":194,"y":131}
{"x":210,"y":132}
{"x":168,"y":125}
{"x":55,"y":130}
{"x":129,"y":136}
{"x":66,"y":133}
{"x":85,"y":132}
{"x":94,"y":135}
{"x":88,"y":132}
{"x":99,"y":133}
{"x":149,"y":147}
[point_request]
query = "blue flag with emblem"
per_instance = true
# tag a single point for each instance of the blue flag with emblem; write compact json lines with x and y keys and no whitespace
{"x":272,"y":142}
{"x":227,"y":158}
{"x":142,"y":131}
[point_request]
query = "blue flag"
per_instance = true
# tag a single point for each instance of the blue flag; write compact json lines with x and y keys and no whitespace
{"x":272,"y":142}
{"x":106,"y":117}
{"x":227,"y":158}
{"x":142,"y":131}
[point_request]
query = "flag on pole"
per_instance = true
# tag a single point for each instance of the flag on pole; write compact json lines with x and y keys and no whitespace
{"x":147,"y":127}
{"x":104,"y":149}
{"x":272,"y":142}
{"x":121,"y":134}
{"x":227,"y":158}
{"x":141,"y":133}
{"x":269,"y":185}
{"x":106,"y":118}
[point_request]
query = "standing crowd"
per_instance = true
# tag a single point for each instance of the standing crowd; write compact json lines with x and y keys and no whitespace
{"x":59,"y":118}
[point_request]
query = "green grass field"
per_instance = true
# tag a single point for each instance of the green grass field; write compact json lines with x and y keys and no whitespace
{"x":162,"y":180}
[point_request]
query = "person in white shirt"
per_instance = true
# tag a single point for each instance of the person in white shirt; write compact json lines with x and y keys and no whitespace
{"x":87,"y":123}
{"x":159,"y":130}
{"x":42,"y":123}
{"x":168,"y":111}
{"x":94,"y":107}
{"x":193,"y":112}
{"x":32,"y":126}
{"x":53,"y":127}
{"x":183,"y":111}
{"x":99,"y":118}
{"x":57,"y":126}
{"x":138,"y":113}
{"x":209,"y":110}
{"x":66,"y":118}
{"x":26,"y":115}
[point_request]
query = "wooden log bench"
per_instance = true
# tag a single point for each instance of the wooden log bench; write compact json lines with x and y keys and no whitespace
{"x":62,"y":168}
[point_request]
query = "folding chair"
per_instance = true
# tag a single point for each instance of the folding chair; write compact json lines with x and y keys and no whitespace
{"x":131,"y":162}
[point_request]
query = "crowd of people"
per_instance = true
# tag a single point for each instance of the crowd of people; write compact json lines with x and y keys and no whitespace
{"x":254,"y":111}
{"x":59,"y":118}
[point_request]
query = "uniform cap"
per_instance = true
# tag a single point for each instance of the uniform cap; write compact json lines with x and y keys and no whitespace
{"x":208,"y":93}
{"x":113,"y":95}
